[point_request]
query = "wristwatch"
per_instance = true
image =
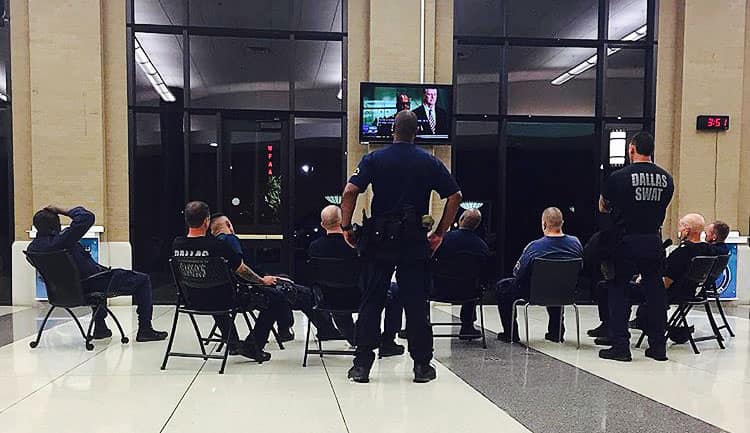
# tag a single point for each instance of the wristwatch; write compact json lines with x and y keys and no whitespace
{"x":347,"y":228}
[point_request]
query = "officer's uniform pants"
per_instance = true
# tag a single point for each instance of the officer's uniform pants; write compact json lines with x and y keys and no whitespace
{"x":126,"y":282}
{"x":644,"y":255}
{"x":413,"y":281}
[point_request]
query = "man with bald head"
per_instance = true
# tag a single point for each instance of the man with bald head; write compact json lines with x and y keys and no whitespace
{"x":465,"y":239}
{"x":553,"y":245}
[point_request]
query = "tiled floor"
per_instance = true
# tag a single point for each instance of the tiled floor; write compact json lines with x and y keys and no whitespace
{"x":60,"y":387}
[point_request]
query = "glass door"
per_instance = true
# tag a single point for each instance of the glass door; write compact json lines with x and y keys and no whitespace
{"x":254,"y":187}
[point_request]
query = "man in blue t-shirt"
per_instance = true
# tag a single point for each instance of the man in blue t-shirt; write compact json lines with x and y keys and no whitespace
{"x":553,"y":245}
{"x":302,"y":299}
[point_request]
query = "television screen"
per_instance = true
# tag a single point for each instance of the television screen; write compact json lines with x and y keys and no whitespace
{"x":432,"y":103}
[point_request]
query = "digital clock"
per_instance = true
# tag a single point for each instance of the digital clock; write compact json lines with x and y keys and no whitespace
{"x":712,"y":123}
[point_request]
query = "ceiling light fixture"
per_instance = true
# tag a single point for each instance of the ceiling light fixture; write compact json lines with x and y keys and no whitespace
{"x":154,"y":77}
{"x":466,"y":205}
{"x":589,"y":63}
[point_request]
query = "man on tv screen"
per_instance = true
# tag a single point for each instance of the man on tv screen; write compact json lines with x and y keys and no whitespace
{"x":432,"y":119}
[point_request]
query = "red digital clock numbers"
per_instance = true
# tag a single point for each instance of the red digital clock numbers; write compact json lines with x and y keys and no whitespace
{"x":712,"y":123}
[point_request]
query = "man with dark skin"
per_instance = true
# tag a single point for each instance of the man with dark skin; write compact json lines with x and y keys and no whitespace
{"x":402,"y":177}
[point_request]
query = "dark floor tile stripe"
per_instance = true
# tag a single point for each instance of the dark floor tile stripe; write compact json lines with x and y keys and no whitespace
{"x":550,"y":396}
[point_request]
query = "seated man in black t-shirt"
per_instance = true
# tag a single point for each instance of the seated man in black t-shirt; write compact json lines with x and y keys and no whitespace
{"x":716,"y":236}
{"x":678,"y":262}
{"x":465,"y":239}
{"x":295,"y":296}
{"x":197,"y":244}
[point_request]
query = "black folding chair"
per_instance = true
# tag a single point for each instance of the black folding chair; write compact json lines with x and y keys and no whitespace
{"x":713,"y":293}
{"x":65,"y":290}
{"x":457,"y":280}
{"x":335,"y":283}
{"x":552,"y":284}
{"x":205,"y":287}
{"x":696,"y":278}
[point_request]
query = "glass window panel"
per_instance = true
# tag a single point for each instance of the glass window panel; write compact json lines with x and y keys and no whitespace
{"x":475,"y":154}
{"x":164,"y":64}
{"x":625,"y":83}
{"x":319,"y":165}
{"x":615,"y":148}
{"x":239,"y":73}
{"x":626,"y":16}
{"x":167,"y":12}
{"x":567,"y":154}
{"x":6,"y":223}
{"x":570,"y":19}
{"x":478,"y":17}
{"x":531,"y":71}
{"x":317,"y":15}
{"x":204,"y":148}
{"x":478,"y":79}
{"x":252,"y":187}
{"x":253,"y":14}
{"x":317,"y":75}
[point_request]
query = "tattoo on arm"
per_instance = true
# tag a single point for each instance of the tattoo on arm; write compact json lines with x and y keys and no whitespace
{"x":246,"y":273}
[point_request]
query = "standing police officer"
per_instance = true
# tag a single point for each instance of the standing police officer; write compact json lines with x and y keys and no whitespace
{"x":637,"y":196}
{"x":402,"y":177}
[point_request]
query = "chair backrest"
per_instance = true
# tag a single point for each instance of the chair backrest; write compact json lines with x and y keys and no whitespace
{"x":457,"y":277}
{"x":553,"y":281}
{"x":60,"y":275}
{"x":204,"y":283}
{"x":718,"y":268}
{"x":336,"y":283}
{"x":698,"y":273}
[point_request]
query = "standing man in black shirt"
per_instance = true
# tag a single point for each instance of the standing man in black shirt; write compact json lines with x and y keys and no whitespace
{"x":402,"y":177}
{"x":637,"y":196}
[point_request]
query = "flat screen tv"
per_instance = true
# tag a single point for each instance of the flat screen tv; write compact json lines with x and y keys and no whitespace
{"x":379,"y":103}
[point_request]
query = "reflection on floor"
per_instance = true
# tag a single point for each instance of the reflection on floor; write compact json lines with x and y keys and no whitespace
{"x":119,"y":388}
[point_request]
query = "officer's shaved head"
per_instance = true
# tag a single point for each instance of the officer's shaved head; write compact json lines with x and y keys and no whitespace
{"x":552,"y":219}
{"x":691,"y":226}
{"x":470,"y":219}
{"x":330,"y":218}
{"x":405,"y":126}
{"x":220,"y":224}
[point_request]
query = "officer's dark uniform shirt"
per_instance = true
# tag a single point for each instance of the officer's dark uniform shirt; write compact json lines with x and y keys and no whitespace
{"x":678,"y":261}
{"x":638,"y":196}
{"x":206,"y":246}
{"x":720,"y":249}
{"x":81,"y":222}
{"x":462,"y":240}
{"x":403,"y":174}
{"x":331,"y":246}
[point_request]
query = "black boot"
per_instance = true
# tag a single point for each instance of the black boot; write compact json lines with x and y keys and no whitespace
{"x":424,"y":373}
{"x":359,"y":374}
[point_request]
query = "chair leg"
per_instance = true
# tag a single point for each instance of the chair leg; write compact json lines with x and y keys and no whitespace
{"x":481,"y":322}
{"x":198,"y":334}
{"x":560,"y":325}
{"x":225,"y":343}
{"x":683,"y":319}
{"x":513,"y":316}
{"x":171,"y":338}
{"x":273,"y":331}
{"x":526,"y":322}
{"x":211,"y":333}
{"x":35,"y":343}
{"x":123,"y":338}
{"x":640,"y":340}
{"x":714,"y":327}
{"x":723,"y":317}
{"x":307,"y":345}
{"x":88,"y":336}
{"x":578,"y":327}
